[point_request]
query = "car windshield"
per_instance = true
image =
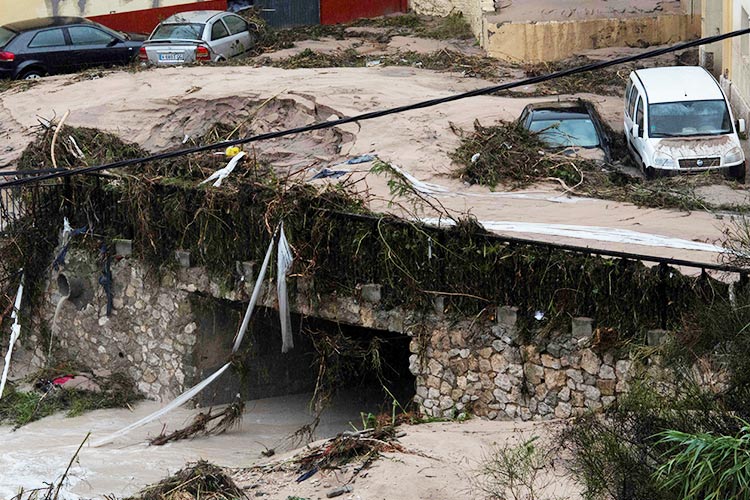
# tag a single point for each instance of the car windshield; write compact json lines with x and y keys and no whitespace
{"x":5,"y":36}
{"x":566,"y":133}
{"x":191,"y":31}
{"x":679,"y":119}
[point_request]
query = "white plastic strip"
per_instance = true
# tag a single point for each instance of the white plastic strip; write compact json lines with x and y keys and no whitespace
{"x":284,"y":263}
{"x":15,"y":332}
{"x":430,"y":189}
{"x":223,"y":173}
{"x":192,"y":392}
{"x":180,"y":400}
{"x":254,"y":296}
{"x":590,"y":233}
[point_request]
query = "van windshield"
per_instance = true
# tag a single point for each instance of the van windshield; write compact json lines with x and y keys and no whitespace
{"x":679,"y":119}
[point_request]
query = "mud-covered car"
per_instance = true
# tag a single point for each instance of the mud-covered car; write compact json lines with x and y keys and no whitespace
{"x":569,"y":126}
{"x":202,"y":35}
{"x":678,"y":120}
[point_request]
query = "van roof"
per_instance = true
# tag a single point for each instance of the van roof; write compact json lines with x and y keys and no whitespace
{"x":679,"y":83}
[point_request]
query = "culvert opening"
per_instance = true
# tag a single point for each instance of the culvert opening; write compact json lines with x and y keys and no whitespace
{"x":366,"y":368}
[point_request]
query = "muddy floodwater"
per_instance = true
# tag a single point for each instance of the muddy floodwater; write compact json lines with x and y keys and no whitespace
{"x":39,"y":452}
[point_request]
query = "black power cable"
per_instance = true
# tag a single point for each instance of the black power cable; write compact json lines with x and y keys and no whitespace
{"x":385,"y":112}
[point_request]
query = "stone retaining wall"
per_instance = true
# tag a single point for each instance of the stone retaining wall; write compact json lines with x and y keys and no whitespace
{"x":490,"y":372}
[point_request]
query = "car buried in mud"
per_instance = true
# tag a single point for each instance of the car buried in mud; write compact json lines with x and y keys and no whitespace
{"x":571,"y":127}
{"x":678,"y":120}
{"x":205,"y":35}
{"x":52,"y":45}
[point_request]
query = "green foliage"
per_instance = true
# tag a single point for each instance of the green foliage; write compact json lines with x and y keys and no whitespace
{"x":452,"y":26}
{"x":705,"y":466}
{"x":518,"y":472}
{"x":20,"y":408}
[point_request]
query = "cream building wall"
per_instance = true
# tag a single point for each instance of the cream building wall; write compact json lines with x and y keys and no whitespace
{"x":17,"y":10}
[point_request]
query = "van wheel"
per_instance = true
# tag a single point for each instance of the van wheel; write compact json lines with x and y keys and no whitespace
{"x":737,"y":173}
{"x":648,"y":172}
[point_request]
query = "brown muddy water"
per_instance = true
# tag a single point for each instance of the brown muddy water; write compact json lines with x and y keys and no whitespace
{"x":39,"y":452}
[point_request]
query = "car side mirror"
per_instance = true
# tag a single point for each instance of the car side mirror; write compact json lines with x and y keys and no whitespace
{"x":636,"y":131}
{"x":741,"y":126}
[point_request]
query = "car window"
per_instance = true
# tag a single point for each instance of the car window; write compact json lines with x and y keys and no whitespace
{"x":564,"y":133}
{"x":48,"y":38}
{"x":639,"y":117}
{"x":5,"y":36}
{"x":631,"y":103}
{"x":675,"y":119}
{"x":85,"y":35}
{"x":235,"y":24}
{"x":188,"y":31}
{"x":219,"y":31}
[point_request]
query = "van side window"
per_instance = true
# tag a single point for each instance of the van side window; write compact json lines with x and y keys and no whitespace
{"x":628,"y":90}
{"x":631,"y":103}
{"x":639,"y":117}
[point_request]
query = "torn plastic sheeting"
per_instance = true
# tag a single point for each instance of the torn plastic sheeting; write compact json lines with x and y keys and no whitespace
{"x":223,"y":173}
{"x":326,"y":172}
{"x":190,"y":393}
{"x":15,"y":332}
{"x":254,"y":297}
{"x":591,"y":233}
{"x":430,"y":189}
{"x":284,"y":262}
{"x":179,"y":401}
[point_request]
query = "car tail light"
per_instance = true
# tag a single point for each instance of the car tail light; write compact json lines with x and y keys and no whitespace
{"x":7,"y":56}
{"x":142,"y":55}
{"x":202,"y":53}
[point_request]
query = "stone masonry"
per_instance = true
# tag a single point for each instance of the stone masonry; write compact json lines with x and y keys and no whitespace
{"x":492,"y":373}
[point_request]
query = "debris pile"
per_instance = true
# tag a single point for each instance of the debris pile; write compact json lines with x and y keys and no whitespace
{"x":509,"y":153}
{"x":199,"y":481}
{"x":230,"y":417}
{"x":75,"y":392}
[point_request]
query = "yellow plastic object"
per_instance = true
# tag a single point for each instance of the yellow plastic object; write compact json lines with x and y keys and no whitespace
{"x":232,"y":151}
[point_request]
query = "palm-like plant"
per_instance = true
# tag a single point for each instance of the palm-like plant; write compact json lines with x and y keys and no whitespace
{"x":706,"y":466}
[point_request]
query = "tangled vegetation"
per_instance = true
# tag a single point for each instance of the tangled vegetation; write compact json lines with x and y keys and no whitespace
{"x":22,"y":407}
{"x":336,"y":240}
{"x":510,"y":155}
{"x":199,"y":481}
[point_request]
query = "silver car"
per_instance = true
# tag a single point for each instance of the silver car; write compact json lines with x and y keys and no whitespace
{"x":201,"y":35}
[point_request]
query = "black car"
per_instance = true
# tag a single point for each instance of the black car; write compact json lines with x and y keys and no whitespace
{"x":567,"y":124}
{"x":49,"y":45}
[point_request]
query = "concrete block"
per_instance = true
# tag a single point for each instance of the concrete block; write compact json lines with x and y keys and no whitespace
{"x":439,"y":304}
{"x":183,"y":258}
{"x":507,"y":316}
{"x":582,"y":329}
{"x":656,"y":337}
{"x":371,"y":293}
{"x":124,"y":248}
{"x":246,"y":271}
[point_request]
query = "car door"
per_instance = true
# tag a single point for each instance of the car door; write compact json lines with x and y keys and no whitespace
{"x":639,"y":119}
{"x":221,"y":40}
{"x":95,"y":47}
{"x":629,"y":112}
{"x":242,"y":36}
{"x":50,"y":48}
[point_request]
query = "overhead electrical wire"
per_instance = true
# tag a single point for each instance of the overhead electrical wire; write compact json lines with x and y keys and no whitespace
{"x":377,"y":114}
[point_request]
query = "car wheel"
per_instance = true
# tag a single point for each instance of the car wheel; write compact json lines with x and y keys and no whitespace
{"x":31,"y":74}
{"x":737,"y":173}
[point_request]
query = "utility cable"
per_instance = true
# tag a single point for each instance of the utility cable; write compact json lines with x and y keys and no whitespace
{"x":377,"y":114}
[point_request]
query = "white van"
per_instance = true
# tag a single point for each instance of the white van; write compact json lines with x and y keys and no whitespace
{"x":677,"y":119}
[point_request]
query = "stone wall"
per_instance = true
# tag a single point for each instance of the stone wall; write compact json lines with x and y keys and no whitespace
{"x":472,"y":10}
{"x":491,"y":372}
{"x":149,"y":335}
